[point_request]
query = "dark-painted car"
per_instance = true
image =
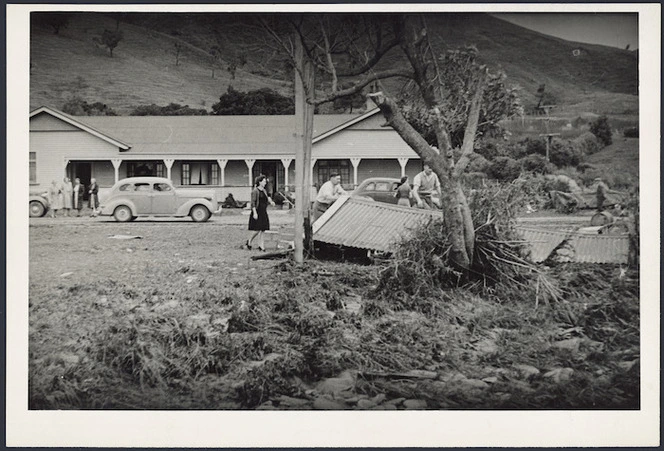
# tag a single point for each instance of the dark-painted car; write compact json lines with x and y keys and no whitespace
{"x":156,"y":196}
{"x":382,"y":189}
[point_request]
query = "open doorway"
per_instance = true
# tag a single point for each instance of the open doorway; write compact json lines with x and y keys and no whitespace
{"x":83,"y":171}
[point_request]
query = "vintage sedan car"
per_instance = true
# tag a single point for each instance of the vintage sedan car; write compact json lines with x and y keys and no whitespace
{"x":381,"y":189}
{"x":38,"y":204}
{"x":156,"y":196}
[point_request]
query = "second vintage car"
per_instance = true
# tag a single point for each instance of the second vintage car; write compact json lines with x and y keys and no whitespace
{"x":382,"y":189}
{"x":156,"y":196}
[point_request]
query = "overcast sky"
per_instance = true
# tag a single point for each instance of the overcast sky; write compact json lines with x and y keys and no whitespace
{"x":615,"y":30}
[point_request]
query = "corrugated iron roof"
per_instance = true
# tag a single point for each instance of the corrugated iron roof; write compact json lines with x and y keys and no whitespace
{"x":216,"y":135}
{"x":364,"y":224}
{"x":587,"y":248}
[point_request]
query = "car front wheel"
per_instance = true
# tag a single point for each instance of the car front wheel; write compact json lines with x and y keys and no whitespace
{"x":199,"y":213}
{"x":122,"y":214}
{"x":37,"y":209}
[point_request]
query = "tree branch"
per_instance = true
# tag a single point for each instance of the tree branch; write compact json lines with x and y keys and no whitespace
{"x":467,"y":147}
{"x":358,"y":86}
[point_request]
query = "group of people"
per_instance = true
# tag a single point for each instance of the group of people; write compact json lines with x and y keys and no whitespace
{"x":69,"y":197}
{"x":425,"y":184}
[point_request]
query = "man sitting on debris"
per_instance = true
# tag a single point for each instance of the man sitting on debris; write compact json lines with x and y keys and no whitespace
{"x":424,"y":184}
{"x":328,"y":193}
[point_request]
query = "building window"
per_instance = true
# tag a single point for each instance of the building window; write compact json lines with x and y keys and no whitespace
{"x":33,"y":167}
{"x":160,"y":170}
{"x":214,"y":174}
{"x":327,"y":167}
{"x":186,"y":178}
{"x":145,"y":168}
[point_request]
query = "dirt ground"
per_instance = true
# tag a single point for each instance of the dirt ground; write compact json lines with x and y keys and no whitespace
{"x":182,"y":318}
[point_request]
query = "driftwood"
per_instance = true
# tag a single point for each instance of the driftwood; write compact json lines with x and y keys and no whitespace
{"x":271,"y":255}
{"x":413,"y":374}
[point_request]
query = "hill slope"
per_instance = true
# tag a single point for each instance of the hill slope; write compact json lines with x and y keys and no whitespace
{"x":143,"y":68}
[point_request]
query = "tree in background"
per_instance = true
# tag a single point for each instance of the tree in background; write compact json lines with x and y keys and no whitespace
{"x":261,"y":101}
{"x":215,"y":58}
{"x":55,"y":21}
{"x":177,"y":48}
{"x":79,"y":107}
{"x":172,"y":109}
{"x":109,"y":39}
{"x":600,"y":127}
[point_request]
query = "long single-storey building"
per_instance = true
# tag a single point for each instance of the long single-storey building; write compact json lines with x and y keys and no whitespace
{"x":222,"y":152}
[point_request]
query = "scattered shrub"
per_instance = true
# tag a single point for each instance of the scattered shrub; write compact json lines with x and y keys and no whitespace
{"x":478,"y":164}
{"x":588,"y":143}
{"x":504,"y":169}
{"x":536,"y":164}
{"x":631,"y":132}
{"x":579,"y":122}
{"x":564,"y":153}
{"x":78,"y":107}
{"x":600,"y":127}
{"x":532,"y":145}
{"x":172,"y":109}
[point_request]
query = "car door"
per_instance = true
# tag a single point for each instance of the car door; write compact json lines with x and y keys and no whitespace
{"x":163,"y":199}
{"x":139,"y":195}
{"x":384,"y":193}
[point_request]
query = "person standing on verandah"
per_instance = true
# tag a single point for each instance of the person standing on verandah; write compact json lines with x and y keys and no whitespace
{"x":259,"y":221}
{"x":329,"y":192}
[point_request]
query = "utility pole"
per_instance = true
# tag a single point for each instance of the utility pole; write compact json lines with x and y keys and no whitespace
{"x":549,"y":136}
{"x":304,"y":117}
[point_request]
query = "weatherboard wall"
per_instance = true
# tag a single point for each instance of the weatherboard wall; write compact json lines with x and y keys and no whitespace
{"x":54,"y":148}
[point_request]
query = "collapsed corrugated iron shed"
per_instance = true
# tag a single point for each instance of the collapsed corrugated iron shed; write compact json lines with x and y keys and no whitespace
{"x":365,"y":224}
{"x":587,"y":248}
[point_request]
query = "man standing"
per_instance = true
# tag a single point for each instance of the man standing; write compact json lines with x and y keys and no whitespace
{"x":79,"y":190}
{"x":328,"y":193}
{"x":94,"y":200}
{"x":602,"y":190}
{"x":424,"y":184}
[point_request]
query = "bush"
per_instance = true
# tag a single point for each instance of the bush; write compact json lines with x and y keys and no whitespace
{"x":504,"y":168}
{"x":579,"y":122}
{"x":478,"y":164}
{"x":565,"y":153}
{"x":532,"y":145}
{"x":172,"y":109}
{"x":600,"y":127}
{"x":79,"y":107}
{"x":631,"y":132}
{"x":536,"y":164}
{"x":588,"y":143}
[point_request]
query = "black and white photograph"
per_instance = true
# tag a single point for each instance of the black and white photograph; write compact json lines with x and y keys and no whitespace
{"x":333,"y":225}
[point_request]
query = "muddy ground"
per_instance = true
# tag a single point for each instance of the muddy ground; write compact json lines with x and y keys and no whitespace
{"x":182,"y":318}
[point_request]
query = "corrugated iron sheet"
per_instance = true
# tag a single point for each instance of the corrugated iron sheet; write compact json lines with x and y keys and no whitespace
{"x":214,"y":135}
{"x":588,"y":248}
{"x":371,"y":225}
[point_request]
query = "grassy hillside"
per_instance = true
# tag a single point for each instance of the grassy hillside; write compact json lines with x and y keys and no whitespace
{"x":143,"y":69}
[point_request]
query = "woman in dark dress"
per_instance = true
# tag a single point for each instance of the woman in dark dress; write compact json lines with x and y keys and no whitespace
{"x":259,"y":221}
